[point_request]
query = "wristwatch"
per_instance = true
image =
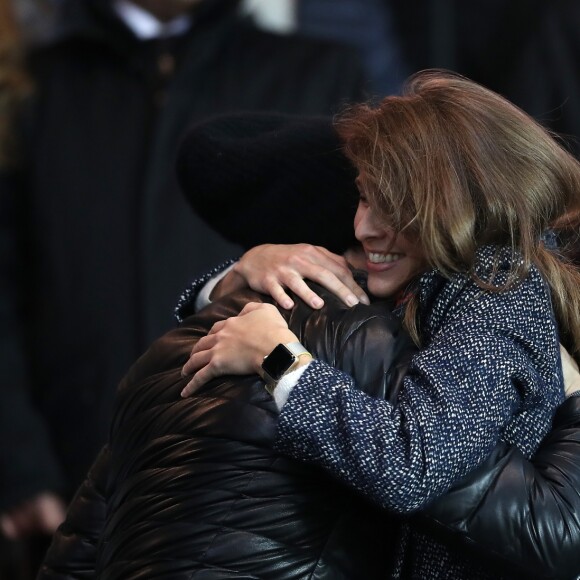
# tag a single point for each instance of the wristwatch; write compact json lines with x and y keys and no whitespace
{"x":283,"y":359}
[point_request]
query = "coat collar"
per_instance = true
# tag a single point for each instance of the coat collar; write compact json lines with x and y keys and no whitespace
{"x":492,"y":264}
{"x":96,"y":20}
{"x":145,"y":25}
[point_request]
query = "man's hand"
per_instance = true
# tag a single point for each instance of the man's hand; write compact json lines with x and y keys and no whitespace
{"x":273,"y":268}
{"x":40,"y":515}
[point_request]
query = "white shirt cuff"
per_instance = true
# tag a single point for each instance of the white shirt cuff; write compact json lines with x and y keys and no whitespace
{"x":203,"y":297}
{"x":286,"y":384}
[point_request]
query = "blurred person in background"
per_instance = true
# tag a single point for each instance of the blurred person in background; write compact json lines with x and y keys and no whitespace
{"x":274,"y":15}
{"x":16,"y":87}
{"x":540,"y":73}
{"x":36,"y":18}
{"x":15,"y":84}
{"x":366,"y":24}
{"x":526,"y":50}
{"x":97,"y":242}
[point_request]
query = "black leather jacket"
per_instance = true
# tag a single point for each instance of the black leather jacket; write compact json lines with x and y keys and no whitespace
{"x":192,"y":489}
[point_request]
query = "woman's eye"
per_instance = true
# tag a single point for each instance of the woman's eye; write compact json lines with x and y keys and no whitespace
{"x":363,"y":200}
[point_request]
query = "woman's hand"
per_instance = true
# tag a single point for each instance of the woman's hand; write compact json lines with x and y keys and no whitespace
{"x":237,"y":345}
{"x":570,"y":371}
{"x":273,"y":268}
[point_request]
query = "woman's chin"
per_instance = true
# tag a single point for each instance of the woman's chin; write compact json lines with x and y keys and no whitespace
{"x":383,"y":286}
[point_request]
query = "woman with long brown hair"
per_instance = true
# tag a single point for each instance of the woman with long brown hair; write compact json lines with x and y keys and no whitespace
{"x":458,"y":190}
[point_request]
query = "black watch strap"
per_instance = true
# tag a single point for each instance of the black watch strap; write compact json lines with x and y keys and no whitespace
{"x":283,"y":359}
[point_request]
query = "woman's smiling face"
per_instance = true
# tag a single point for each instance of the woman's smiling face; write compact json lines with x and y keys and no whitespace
{"x":392,"y":259}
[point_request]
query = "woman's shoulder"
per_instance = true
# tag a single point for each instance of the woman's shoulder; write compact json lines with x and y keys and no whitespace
{"x":489,"y":290}
{"x":495,"y":269}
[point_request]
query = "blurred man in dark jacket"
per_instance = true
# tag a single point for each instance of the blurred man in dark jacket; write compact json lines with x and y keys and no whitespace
{"x":95,"y":239}
{"x":526,"y":50}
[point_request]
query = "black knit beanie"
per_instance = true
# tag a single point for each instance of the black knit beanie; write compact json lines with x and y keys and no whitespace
{"x":270,"y":178}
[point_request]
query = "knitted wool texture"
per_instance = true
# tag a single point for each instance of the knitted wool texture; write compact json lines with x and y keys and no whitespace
{"x":489,"y":370}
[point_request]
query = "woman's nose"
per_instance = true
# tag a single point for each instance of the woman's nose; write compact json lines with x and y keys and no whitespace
{"x":368,"y":225}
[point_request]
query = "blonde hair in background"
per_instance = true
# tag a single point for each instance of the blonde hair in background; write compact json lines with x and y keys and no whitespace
{"x":457,"y":166}
{"x":14,"y":82}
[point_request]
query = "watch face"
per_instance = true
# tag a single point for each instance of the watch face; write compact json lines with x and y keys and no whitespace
{"x":278,"y":362}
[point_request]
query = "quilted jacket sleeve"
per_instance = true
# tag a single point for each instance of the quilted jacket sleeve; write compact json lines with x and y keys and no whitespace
{"x":72,"y":554}
{"x":524,"y":513}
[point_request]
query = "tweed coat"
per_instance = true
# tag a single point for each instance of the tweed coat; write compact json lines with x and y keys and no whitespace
{"x":489,"y":371}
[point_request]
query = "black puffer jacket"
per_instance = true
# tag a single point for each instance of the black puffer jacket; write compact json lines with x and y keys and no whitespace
{"x":192,"y":489}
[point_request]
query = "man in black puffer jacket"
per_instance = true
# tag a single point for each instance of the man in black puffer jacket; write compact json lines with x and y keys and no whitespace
{"x":191,"y":488}
{"x":194,"y":488}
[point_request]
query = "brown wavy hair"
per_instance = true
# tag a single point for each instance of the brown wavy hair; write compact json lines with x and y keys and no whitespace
{"x":458,"y":166}
{"x":15,"y":85}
